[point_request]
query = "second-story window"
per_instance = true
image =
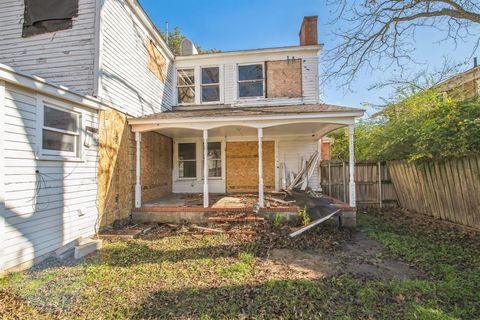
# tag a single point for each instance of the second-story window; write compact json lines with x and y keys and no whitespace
{"x":250,"y":81}
{"x":186,"y":86}
{"x":211,"y":84}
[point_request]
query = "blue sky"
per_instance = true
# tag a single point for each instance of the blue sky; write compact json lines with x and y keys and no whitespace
{"x":249,"y":24}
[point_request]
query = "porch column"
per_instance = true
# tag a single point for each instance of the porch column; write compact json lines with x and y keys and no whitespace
{"x":138,"y":187}
{"x":205,"y":168}
{"x":352,"y":166}
{"x":260,"y":167}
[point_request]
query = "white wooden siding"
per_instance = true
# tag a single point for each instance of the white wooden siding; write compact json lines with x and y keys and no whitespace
{"x":293,"y":154}
{"x":126,"y":81}
{"x":48,"y":209}
{"x":64,"y":57}
{"x":310,"y":74}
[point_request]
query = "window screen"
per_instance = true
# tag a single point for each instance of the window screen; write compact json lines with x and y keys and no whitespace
{"x":186,"y":86}
{"x":210,"y":84}
{"x":187,"y":160}
{"x":60,"y":130}
{"x":214,"y":159}
{"x":42,"y":16}
{"x":250,"y":81}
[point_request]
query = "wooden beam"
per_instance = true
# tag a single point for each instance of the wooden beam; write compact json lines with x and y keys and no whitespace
{"x":205,"y":168}
{"x":260,"y":168}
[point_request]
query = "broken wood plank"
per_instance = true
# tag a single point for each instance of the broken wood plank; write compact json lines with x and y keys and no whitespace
{"x":194,"y":226}
{"x":313,"y":224}
{"x":279,"y":200}
{"x":235,"y":219}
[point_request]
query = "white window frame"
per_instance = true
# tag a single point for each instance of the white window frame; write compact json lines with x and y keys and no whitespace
{"x":199,"y":158}
{"x":211,"y":85}
{"x":198,"y":84}
{"x":177,"y":160}
{"x":244,"y":81}
{"x":195,"y":97}
{"x":221,"y":159}
{"x":47,"y":154}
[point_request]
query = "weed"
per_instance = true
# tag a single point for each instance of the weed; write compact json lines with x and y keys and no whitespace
{"x":304,"y":215}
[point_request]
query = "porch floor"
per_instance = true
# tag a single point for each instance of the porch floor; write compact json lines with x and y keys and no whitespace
{"x":218,"y":200}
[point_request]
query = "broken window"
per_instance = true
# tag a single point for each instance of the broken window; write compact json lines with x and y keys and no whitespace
{"x":156,"y":61}
{"x":43,"y":16}
{"x":211,"y":84}
{"x":250,"y":81}
{"x":186,"y":86}
{"x":214,"y":159}
{"x":187,"y":160}
{"x":60,"y":131}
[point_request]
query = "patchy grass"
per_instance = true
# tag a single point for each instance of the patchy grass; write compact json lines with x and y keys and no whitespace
{"x":174,"y":275}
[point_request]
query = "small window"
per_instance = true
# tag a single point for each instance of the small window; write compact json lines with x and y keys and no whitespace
{"x":210,"y":84}
{"x":250,"y":81}
{"x":60,"y":132}
{"x":187,"y":160}
{"x":214,"y":159}
{"x":186,"y":86}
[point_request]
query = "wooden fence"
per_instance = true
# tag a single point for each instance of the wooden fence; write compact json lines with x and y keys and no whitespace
{"x":447,"y":190}
{"x":373,"y":183}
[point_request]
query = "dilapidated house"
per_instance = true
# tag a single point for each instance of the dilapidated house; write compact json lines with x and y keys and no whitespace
{"x":98,"y":118}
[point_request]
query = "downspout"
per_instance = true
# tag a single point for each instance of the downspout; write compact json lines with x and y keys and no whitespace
{"x":97,"y":60}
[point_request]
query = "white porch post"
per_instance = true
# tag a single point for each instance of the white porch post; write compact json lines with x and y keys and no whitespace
{"x":260,"y":167}
{"x":205,"y":168}
{"x":138,"y":187}
{"x":352,"y":166}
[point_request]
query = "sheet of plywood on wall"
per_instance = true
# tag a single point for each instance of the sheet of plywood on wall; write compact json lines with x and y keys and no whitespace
{"x":116,"y":157}
{"x":156,"y":61}
{"x":284,"y":78}
{"x":242,"y":166}
{"x":156,"y":166}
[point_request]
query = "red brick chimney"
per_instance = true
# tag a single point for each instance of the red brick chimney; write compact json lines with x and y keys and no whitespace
{"x":308,"y":31}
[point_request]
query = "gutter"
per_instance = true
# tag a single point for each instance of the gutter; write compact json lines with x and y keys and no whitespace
{"x":38,"y":84}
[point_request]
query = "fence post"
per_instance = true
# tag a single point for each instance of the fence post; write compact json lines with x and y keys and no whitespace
{"x":329,"y":179}
{"x":343,"y":182}
{"x":380,"y":200}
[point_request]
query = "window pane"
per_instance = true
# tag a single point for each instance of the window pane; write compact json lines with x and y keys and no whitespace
{"x":250,"y":72}
{"x":250,"y":89}
{"x":186,"y":77}
{"x":210,"y":75}
{"x":187,"y":169}
{"x":186,"y":95}
{"x":186,"y":151}
{"x":215,"y":168}
{"x":214,"y":150}
{"x":58,"y":141}
{"x":210,"y":93}
{"x":59,"y":119}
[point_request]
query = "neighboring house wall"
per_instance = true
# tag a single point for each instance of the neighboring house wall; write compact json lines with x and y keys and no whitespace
{"x":464,"y":85}
{"x":307,"y":56}
{"x":125,"y":79}
{"x":64,"y":57}
{"x":48,"y":203}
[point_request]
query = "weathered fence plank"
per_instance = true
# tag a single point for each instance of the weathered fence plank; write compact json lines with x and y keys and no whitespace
{"x":447,"y":190}
{"x":373,"y":182}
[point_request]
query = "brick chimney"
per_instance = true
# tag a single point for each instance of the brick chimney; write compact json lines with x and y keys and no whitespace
{"x":308,"y":31}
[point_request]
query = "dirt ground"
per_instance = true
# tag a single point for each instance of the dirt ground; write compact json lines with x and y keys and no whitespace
{"x":361,"y":256}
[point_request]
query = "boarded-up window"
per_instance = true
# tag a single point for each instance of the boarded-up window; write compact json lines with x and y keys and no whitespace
{"x":42,"y":16}
{"x":156,"y":61}
{"x":284,"y":78}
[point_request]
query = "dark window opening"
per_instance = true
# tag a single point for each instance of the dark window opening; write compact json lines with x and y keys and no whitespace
{"x":43,"y":16}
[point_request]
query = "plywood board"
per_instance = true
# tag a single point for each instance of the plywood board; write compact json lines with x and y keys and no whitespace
{"x":242,"y":166}
{"x":156,"y":61}
{"x":284,"y":78}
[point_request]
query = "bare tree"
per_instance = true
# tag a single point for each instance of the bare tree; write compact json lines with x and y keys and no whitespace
{"x":381,"y":34}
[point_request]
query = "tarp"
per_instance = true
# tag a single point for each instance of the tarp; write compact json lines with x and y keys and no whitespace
{"x":43,"y":16}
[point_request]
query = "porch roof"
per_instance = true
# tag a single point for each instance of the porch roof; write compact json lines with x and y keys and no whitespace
{"x":215,"y":111}
{"x":225,"y":119}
